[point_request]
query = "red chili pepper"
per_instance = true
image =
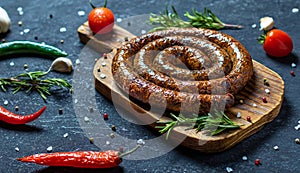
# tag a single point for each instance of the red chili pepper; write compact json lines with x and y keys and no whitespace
{"x":12,"y":118}
{"x":79,"y":159}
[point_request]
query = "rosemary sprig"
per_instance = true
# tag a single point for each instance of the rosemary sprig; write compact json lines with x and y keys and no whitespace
{"x":212,"y":123}
{"x":207,"y":19}
{"x":30,"y":81}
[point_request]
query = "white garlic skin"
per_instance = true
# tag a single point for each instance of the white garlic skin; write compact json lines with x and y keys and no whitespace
{"x":63,"y":65}
{"x":266,"y":23}
{"x":4,"y":21}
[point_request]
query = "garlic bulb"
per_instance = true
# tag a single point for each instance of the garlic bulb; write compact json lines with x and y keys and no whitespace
{"x":4,"y":21}
{"x":266,"y":23}
{"x":63,"y":65}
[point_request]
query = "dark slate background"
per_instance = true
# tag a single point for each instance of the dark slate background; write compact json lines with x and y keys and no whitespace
{"x":48,"y":130}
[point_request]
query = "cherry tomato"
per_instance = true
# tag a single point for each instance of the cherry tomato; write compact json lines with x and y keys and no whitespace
{"x":278,"y":43}
{"x":101,"y":20}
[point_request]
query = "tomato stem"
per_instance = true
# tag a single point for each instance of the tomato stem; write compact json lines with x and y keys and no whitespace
{"x":93,"y":6}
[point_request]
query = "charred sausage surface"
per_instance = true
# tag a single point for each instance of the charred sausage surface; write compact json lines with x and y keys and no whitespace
{"x":188,"y":70}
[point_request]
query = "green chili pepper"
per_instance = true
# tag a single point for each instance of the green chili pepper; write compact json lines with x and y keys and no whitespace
{"x":28,"y":47}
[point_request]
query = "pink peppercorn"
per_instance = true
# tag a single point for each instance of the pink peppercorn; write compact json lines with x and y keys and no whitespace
{"x":292,"y":73}
{"x":257,"y":162}
{"x":105,"y":116}
{"x":248,"y":118}
{"x":264,"y":99}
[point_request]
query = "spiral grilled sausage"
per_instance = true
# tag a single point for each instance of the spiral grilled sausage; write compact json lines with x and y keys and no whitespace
{"x":192,"y":70}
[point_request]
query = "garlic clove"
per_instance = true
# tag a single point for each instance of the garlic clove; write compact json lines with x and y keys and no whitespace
{"x":266,"y":23}
{"x":62,"y":64}
{"x":4,"y":21}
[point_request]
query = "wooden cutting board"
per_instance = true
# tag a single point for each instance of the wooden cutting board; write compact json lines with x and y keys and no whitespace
{"x":249,"y":100}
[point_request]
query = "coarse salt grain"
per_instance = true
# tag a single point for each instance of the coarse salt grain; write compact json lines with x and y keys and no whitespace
{"x":63,"y":29}
{"x":119,"y":20}
{"x":276,"y":147}
{"x":19,"y":9}
{"x":76,"y":101}
{"x":102,"y":76}
{"x":86,"y":119}
{"x":5,"y":103}
{"x":254,"y":105}
{"x":50,"y":148}
{"x":140,"y":142}
{"x":228,"y":169}
{"x":11,"y":64}
{"x":244,"y":158}
{"x":293,"y":65}
{"x":17,"y":149}
{"x":295,"y":10}
{"x":21,"y":33}
{"x":238,"y":115}
{"x":103,"y":64}
{"x":143,"y":32}
{"x":26,"y":30}
{"x":298,"y":121}
{"x":253,"y":26}
{"x":267,"y":91}
{"x":77,"y":61}
{"x":297,"y":127}
{"x":66,"y":135}
{"x":107,"y":142}
{"x":81,"y":13}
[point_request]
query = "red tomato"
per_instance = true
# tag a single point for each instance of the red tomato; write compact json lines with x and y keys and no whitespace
{"x":101,"y":20}
{"x":278,"y":43}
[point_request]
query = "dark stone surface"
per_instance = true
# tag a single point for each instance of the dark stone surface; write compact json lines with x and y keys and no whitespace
{"x":49,"y":129}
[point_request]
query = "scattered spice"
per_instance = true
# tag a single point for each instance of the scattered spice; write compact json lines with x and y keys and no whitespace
{"x":102,"y":76}
{"x":248,"y":118}
{"x":112,"y":135}
{"x":297,"y":141}
{"x":267,"y":91}
{"x":292,"y":73}
{"x":77,"y":61}
{"x":3,"y":40}
{"x":107,"y":143}
{"x":113,"y":128}
{"x":36,"y":38}
{"x":257,"y":162}
{"x":241,"y":101}
{"x":12,"y":64}
{"x":81,"y":13}
{"x":25,"y":66}
{"x":295,"y":10}
{"x":5,"y":102}
{"x":17,"y":149}
{"x":17,"y":108}
{"x":276,"y":147}
{"x":229,"y":169}
{"x":105,"y":116}
{"x":266,"y":82}
{"x":51,"y":16}
{"x":238,"y":115}
{"x":60,"y":111}
{"x":20,"y":23}
{"x":62,"y":41}
{"x":99,"y":70}
{"x":65,"y":135}
{"x":86,"y":119}
{"x":49,"y":149}
{"x":121,"y":150}
{"x":105,"y":56}
{"x":293,"y":65}
{"x":103,"y":64}
{"x":63,"y":29}
{"x":126,"y":38}
{"x":244,"y":158}
{"x":264,"y":99}
{"x":254,"y":105}
{"x":92,"y":140}
{"x":91,"y":109}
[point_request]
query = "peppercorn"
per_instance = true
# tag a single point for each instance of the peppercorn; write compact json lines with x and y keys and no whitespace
{"x":297,"y":140}
{"x":105,"y":56}
{"x":60,"y":111}
{"x":105,"y":116}
{"x":113,"y":128}
{"x":3,"y":40}
{"x":248,"y":118}
{"x":62,"y":41}
{"x":17,"y":108}
{"x":257,"y":162}
{"x":264,"y":99}
{"x":292,"y":73}
{"x":266,"y":82}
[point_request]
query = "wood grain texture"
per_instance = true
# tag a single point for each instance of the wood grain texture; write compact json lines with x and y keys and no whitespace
{"x":251,"y":95}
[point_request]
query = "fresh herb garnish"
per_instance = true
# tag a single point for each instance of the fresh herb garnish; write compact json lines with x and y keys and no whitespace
{"x":33,"y":81}
{"x":207,"y":19}
{"x":212,"y":123}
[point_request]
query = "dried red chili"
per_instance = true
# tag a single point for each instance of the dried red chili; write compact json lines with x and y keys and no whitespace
{"x":12,"y":118}
{"x":79,"y":159}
